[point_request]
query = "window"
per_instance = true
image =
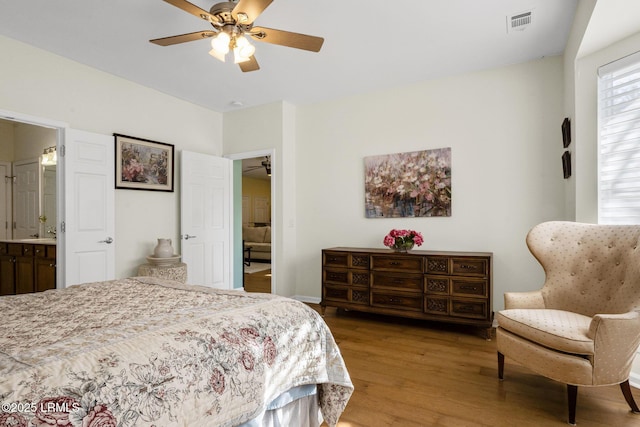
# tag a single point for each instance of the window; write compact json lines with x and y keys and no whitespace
{"x":619,"y":141}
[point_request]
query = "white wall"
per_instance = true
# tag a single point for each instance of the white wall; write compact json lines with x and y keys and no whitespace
{"x":269,"y":127}
{"x":37,"y":83}
{"x":587,"y":122}
{"x":503,"y":127}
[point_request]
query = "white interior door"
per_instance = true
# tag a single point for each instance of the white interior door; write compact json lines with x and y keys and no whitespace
{"x":6,"y":181}
{"x":26,"y":199}
{"x":89,"y":207}
{"x":205,"y":203}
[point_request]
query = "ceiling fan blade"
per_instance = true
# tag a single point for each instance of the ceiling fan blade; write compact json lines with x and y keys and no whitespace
{"x":182,"y":38}
{"x":287,"y":38}
{"x":251,"y":8}
{"x":194,"y":10}
{"x":250,"y":65}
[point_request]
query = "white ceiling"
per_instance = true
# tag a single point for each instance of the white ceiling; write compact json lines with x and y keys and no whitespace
{"x":369,"y":44}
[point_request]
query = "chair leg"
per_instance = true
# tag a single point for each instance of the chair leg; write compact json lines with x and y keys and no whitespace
{"x":626,"y":391}
{"x":501,"y":366}
{"x":572,"y":394}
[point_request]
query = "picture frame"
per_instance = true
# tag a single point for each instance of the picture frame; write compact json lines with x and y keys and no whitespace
{"x":566,"y":164}
{"x":142,"y":164}
{"x":566,"y":132}
{"x":413,"y":184}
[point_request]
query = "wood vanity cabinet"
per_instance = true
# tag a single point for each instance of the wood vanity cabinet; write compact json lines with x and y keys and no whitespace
{"x":26,"y":268}
{"x":45,"y":267}
{"x":454,"y":287}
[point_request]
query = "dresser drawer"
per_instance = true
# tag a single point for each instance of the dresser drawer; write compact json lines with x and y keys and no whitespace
{"x":405,"y":282}
{"x":359,"y":261}
{"x":345,"y":259}
{"x":468,"y":308}
{"x":402,"y":263}
{"x":335,"y":276}
{"x":346,"y":294}
{"x":469,"y":287}
{"x":470,"y":266}
{"x":436,"y":305}
{"x":437,"y":285}
{"x":437,"y":265}
{"x":345,"y":277}
{"x":396,"y":300}
{"x":335,"y":259}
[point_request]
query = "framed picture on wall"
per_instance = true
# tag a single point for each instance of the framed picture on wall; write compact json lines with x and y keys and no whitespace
{"x":415,"y":184}
{"x":142,"y":164}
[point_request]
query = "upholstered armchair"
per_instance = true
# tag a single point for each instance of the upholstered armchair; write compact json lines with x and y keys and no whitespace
{"x":583,"y":327}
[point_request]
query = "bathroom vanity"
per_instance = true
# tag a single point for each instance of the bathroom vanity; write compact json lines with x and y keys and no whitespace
{"x":27,"y":265}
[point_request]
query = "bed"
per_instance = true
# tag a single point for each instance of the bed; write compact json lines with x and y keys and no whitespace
{"x":155,"y":352}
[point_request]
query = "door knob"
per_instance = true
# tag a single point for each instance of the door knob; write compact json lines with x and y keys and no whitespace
{"x":187,"y":237}
{"x":108,"y":241}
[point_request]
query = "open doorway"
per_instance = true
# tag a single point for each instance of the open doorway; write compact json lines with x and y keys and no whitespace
{"x":254,"y":212}
{"x":256,"y":224}
{"x":31,"y":187}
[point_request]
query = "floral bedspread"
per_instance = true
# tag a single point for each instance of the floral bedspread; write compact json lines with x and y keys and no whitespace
{"x":154,"y":352}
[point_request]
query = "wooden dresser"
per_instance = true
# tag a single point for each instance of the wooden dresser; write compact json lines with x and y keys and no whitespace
{"x":453,"y":287}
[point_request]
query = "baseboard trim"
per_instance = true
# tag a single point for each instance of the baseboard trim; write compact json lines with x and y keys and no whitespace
{"x":308,"y":299}
{"x":634,"y":379}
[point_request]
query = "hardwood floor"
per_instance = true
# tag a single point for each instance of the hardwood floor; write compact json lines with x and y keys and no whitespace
{"x":258,"y":282}
{"x":414,"y":373}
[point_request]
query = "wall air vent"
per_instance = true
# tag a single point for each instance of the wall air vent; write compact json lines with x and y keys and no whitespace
{"x":519,"y":22}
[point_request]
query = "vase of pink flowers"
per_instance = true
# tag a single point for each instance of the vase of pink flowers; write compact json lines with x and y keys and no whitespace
{"x":403,"y":240}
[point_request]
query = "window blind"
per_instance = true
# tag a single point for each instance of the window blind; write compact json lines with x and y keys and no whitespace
{"x":619,"y":141}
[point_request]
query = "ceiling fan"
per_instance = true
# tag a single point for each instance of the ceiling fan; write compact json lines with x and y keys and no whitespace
{"x":266,"y":164}
{"x":231,"y":22}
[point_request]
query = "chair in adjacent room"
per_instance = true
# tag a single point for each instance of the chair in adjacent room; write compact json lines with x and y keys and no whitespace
{"x":583,"y":327}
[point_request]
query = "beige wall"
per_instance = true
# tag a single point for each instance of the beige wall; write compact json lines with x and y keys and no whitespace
{"x":503,"y":127}
{"x":40,"y":84}
{"x":252,"y":188}
{"x":6,"y":140}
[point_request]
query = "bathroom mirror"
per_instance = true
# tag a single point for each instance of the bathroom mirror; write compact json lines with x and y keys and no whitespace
{"x":28,"y":186}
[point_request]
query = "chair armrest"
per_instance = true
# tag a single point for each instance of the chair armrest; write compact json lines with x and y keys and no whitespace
{"x":531,"y":299}
{"x":616,"y":338}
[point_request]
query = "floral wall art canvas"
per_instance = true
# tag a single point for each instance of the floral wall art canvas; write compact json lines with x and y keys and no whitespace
{"x":142,"y":164}
{"x":415,"y":184}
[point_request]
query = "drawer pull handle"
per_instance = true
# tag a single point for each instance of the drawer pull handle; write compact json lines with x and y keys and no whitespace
{"x":395,"y":300}
{"x":468,"y":267}
{"x":465,"y":308}
{"x":468,"y":288}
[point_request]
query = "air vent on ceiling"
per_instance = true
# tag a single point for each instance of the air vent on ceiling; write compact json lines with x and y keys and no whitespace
{"x":519,"y":22}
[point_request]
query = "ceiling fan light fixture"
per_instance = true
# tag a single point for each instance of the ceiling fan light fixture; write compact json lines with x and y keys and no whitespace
{"x":243,"y":49}
{"x":219,"y":56}
{"x":220,"y":43}
{"x":239,"y":57}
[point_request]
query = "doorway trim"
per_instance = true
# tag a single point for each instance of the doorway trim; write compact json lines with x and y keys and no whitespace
{"x":274,"y":198}
{"x":60,"y":128}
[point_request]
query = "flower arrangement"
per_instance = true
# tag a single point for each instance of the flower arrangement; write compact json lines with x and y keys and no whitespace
{"x":403,"y":240}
